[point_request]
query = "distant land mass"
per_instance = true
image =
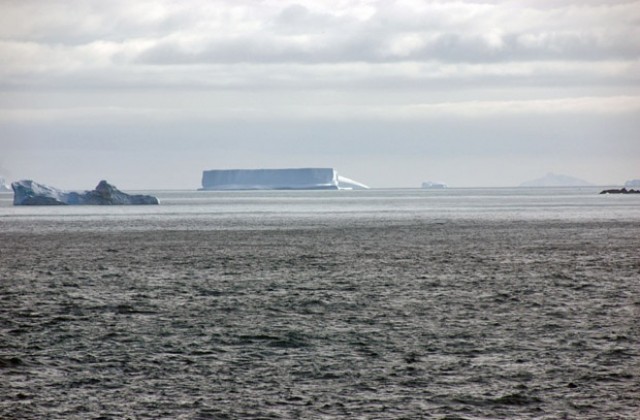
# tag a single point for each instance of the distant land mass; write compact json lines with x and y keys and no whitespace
{"x":632,"y":183}
{"x":556,"y":180}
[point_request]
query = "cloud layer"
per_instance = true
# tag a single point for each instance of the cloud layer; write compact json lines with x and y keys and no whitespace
{"x":316,"y":44}
{"x":117,"y":65}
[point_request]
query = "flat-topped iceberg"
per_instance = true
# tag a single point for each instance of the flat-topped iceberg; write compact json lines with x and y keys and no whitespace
{"x":30,"y":193}
{"x":433,"y":185}
{"x":277,"y":179}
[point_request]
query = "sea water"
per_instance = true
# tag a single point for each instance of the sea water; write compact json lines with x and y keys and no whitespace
{"x":206,"y":210}
{"x":459,"y":303}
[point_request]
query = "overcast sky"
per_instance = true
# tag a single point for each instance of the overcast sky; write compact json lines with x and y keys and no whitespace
{"x":147,"y":94}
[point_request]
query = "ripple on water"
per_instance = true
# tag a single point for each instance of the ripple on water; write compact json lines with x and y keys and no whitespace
{"x":461,"y":320}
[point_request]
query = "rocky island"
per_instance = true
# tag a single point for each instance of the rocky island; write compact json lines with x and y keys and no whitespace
{"x":30,"y":193}
{"x":622,"y":190}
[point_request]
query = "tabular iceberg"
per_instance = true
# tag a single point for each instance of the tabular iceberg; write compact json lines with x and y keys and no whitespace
{"x":277,"y":179}
{"x":432,"y":185}
{"x":29,"y":193}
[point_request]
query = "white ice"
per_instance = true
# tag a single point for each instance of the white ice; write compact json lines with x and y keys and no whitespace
{"x":277,"y":179}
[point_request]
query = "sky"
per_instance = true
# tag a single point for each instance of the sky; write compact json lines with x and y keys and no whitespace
{"x":148,"y":94}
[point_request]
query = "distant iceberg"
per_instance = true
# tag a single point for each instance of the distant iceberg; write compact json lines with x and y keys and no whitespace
{"x":632,"y":183}
{"x":556,"y":180}
{"x":278,"y":179}
{"x":30,"y":193}
{"x":3,"y":185}
{"x":432,"y":185}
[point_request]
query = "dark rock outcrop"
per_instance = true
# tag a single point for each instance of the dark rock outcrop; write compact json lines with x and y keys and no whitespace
{"x":29,"y":193}
{"x":621,"y":191}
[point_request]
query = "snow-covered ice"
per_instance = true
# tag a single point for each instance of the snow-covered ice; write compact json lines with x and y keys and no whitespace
{"x":277,"y":179}
{"x":3,"y":185}
{"x":632,"y":183}
{"x":433,"y":185}
{"x":30,"y":193}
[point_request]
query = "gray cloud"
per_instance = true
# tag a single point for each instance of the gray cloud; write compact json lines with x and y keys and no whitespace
{"x":446,"y":33}
{"x":209,"y":43}
{"x":362,"y":45}
{"x":437,"y":84}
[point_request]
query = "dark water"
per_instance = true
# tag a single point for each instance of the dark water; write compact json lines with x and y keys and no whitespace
{"x":307,"y":315}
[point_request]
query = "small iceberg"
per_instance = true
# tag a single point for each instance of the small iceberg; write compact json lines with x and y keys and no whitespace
{"x":30,"y":193}
{"x":432,"y":185}
{"x":632,"y":183}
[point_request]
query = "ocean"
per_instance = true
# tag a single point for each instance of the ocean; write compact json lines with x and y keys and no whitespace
{"x":377,"y":304}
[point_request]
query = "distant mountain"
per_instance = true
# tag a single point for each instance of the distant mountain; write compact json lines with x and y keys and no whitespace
{"x":556,"y":180}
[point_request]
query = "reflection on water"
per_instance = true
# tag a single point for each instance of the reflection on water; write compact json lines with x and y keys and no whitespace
{"x":282,"y":209}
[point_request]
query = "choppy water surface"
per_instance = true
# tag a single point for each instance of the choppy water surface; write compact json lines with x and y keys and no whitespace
{"x":378,"y":304}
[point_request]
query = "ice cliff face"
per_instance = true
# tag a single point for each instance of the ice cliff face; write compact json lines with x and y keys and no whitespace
{"x":29,"y":193}
{"x":277,"y":179}
{"x":345,"y":183}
